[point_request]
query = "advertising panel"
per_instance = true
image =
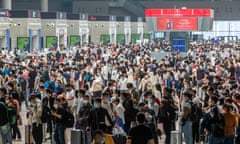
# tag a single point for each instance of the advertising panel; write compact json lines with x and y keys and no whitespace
{"x":105,"y":38}
{"x":120,"y":38}
{"x":74,"y":40}
{"x":23,"y":43}
{"x":178,"y":23}
{"x":51,"y":41}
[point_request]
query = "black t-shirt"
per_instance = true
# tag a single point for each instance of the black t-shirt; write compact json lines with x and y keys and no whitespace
{"x":140,"y":134}
{"x":61,"y":112}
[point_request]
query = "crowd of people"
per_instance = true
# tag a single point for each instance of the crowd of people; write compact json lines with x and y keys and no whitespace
{"x":121,"y":94}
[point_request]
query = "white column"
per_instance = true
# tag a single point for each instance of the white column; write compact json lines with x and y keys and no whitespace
{"x":7,"y":4}
{"x":44,"y":5}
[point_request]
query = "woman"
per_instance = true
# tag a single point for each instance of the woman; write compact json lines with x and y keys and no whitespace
{"x":215,"y":127}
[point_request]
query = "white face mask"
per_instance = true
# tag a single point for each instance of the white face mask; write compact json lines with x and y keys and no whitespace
{"x":85,"y":101}
{"x":7,"y":101}
{"x":55,"y":106}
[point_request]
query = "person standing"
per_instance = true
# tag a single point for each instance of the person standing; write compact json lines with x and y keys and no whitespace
{"x":98,"y":116}
{"x":5,"y":131}
{"x":186,"y":120}
{"x":141,"y":134}
{"x":59,"y":117}
{"x":230,"y":124}
{"x":36,"y":113}
{"x":47,"y":105}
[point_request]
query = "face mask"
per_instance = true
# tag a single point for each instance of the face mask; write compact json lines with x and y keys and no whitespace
{"x":7,"y":101}
{"x":33,"y":104}
{"x":149,"y":100}
{"x":103,"y":141}
{"x":85,"y":101}
{"x":95,"y":105}
{"x":55,"y":106}
{"x":108,"y":99}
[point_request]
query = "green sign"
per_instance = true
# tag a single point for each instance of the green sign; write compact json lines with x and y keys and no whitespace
{"x":105,"y":38}
{"x":134,"y":38}
{"x":74,"y":40}
{"x":146,"y":36}
{"x":51,"y":41}
{"x":120,"y":38}
{"x":23,"y":43}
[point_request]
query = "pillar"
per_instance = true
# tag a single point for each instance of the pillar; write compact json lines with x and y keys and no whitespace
{"x":7,"y":4}
{"x":44,"y":5}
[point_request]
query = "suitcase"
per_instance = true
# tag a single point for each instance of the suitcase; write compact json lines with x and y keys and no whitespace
{"x":78,"y":136}
{"x":176,"y":137}
{"x":28,"y":135}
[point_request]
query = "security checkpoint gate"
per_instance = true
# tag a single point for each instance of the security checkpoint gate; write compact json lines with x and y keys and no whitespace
{"x":113,"y":29}
{"x":83,"y":28}
{"x":5,"y":39}
{"x":61,"y":29}
{"x":34,"y":31}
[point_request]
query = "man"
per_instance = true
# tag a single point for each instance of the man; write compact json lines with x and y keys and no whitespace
{"x":70,"y":95}
{"x":97,"y":116}
{"x":5,"y":131}
{"x":141,"y":134}
{"x":186,"y":119}
{"x":134,"y":94}
{"x":83,"y":114}
{"x":59,"y":115}
{"x":36,"y":113}
{"x":118,"y":108}
{"x":47,"y":105}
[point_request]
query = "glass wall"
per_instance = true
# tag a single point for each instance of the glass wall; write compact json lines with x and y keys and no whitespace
{"x":222,"y":28}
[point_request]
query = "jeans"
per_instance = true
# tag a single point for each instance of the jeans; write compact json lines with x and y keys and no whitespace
{"x":187,"y":132}
{"x":5,"y":133}
{"x":37,"y":133}
{"x":216,"y":140}
{"x":59,"y":134}
{"x":229,"y":139}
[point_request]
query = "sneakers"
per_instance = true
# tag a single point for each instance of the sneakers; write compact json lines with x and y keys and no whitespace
{"x":48,"y":136}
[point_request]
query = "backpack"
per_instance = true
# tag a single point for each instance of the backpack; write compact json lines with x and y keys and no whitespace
{"x":218,"y":128}
{"x":196,"y":112}
{"x":69,"y":119}
{"x":172,"y":115}
{"x":22,"y":83}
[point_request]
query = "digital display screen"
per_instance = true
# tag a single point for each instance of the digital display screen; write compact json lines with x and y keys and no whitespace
{"x":120,"y":38}
{"x":51,"y":41}
{"x":134,"y":37}
{"x":177,"y":23}
{"x":23,"y":43}
{"x":74,"y":40}
{"x":105,"y":38}
{"x":179,"y":12}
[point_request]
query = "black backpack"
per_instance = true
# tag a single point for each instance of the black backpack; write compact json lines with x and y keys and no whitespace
{"x":22,"y":83}
{"x":196,"y":112}
{"x":218,"y":129}
{"x":69,"y":119}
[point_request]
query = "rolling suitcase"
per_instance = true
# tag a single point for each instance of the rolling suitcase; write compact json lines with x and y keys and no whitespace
{"x":78,"y":136}
{"x":28,"y":135}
